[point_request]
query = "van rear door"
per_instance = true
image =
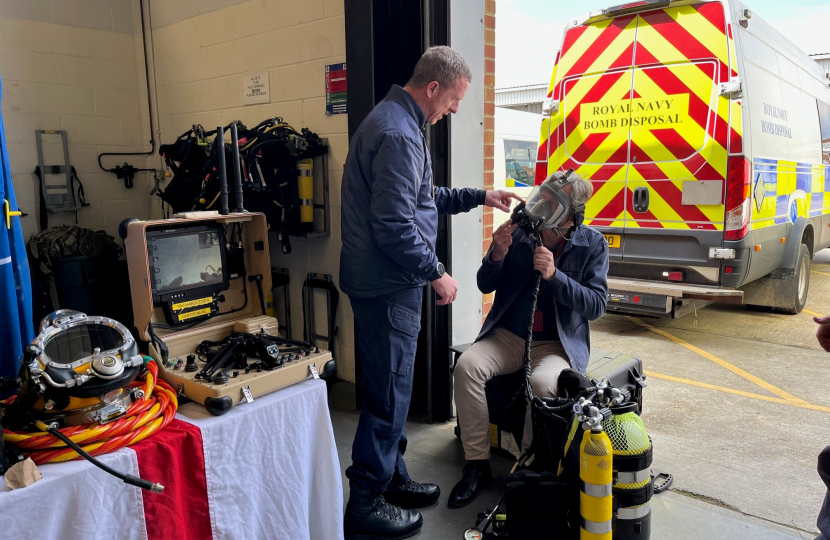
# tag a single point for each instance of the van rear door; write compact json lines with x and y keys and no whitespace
{"x":592,"y":83}
{"x":678,"y":131}
{"x":641,"y":116}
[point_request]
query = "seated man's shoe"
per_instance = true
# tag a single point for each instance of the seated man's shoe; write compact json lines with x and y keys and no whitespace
{"x":370,"y":517}
{"x":411,"y":494}
{"x":475,"y":476}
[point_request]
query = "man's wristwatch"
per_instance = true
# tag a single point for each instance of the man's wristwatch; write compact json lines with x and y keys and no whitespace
{"x":438,"y":273}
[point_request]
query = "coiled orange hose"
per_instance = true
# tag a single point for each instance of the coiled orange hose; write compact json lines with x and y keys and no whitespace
{"x":144,"y":417}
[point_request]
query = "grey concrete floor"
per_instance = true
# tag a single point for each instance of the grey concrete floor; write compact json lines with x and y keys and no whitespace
{"x":738,"y":407}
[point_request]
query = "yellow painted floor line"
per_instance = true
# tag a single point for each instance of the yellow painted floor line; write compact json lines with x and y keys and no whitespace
{"x":708,"y":386}
{"x":813,"y":313}
{"x":723,"y":363}
{"x":820,"y":273}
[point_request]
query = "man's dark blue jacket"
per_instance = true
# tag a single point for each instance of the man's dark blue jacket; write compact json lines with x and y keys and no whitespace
{"x":579,"y":285}
{"x":389,"y":219}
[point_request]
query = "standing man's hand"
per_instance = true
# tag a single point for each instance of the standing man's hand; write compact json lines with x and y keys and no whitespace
{"x":543,"y":262}
{"x":446,"y":288}
{"x":823,"y":332}
{"x":502,"y":240}
{"x":499,"y":198}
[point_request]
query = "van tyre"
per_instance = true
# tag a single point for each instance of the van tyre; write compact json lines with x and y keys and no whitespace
{"x":802,"y":282}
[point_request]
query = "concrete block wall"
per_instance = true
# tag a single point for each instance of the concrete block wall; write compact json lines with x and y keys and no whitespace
{"x":203,"y":49}
{"x":76,"y":65}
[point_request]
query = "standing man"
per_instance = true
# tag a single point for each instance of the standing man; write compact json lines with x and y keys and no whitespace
{"x":390,"y":213}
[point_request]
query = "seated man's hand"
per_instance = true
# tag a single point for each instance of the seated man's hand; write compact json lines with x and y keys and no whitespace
{"x":502,"y":239}
{"x":446,"y":288}
{"x":543,"y":262}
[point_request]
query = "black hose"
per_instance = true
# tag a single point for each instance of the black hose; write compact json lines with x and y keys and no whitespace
{"x":127,"y":478}
{"x":526,"y":361}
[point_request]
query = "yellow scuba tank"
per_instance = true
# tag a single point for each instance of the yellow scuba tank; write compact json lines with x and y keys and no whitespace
{"x":596,"y":474}
{"x":633,"y":485}
{"x":305,"y":188}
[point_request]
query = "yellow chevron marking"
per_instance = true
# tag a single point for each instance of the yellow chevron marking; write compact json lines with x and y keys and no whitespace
{"x":604,"y":195}
{"x":615,"y":49}
{"x":691,"y":131}
{"x":614,"y":141}
{"x":567,"y":61}
{"x":736,"y":122}
{"x":702,"y":29}
{"x":689,"y":75}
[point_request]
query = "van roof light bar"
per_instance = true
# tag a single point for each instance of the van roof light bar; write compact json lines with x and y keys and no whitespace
{"x":633,"y":7}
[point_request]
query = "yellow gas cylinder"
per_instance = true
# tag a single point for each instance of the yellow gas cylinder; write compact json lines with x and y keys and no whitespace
{"x":305,"y":188}
{"x":596,"y":473}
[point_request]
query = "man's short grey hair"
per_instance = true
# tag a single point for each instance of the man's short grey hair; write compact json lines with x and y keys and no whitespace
{"x":440,"y":64}
{"x":582,"y":189}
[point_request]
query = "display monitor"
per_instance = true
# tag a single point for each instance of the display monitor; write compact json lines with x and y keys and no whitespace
{"x":187,"y":262}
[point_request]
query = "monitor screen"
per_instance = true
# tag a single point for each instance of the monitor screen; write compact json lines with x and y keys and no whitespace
{"x":186,"y":259}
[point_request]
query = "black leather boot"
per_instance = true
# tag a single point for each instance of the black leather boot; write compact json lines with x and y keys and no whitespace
{"x":411,"y":494}
{"x":475,"y":476}
{"x":370,"y":517}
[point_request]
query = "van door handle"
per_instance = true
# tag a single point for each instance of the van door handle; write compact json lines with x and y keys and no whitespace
{"x":640,"y":199}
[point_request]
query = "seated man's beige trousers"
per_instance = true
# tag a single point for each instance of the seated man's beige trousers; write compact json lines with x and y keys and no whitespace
{"x":499,"y":353}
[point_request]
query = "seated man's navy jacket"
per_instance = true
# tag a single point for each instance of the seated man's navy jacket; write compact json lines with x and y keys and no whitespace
{"x":390,"y":207}
{"x":579,"y":285}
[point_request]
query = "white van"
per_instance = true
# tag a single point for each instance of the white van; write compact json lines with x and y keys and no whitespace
{"x":516,"y":135}
{"x":706,"y":136}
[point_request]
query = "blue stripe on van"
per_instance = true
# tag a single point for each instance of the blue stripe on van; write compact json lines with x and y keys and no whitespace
{"x":764,"y":160}
{"x":781,"y":209}
{"x":770,"y":182}
{"x":804,"y":181}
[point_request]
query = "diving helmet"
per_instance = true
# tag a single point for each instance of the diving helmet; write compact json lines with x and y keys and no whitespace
{"x":76,"y":370}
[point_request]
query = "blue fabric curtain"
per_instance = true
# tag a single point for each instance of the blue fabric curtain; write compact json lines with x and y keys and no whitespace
{"x":15,"y":284}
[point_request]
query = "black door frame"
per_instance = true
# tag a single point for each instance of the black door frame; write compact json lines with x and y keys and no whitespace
{"x":384,"y":40}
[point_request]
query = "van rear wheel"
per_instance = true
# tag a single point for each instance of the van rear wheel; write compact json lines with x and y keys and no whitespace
{"x":802,"y":278}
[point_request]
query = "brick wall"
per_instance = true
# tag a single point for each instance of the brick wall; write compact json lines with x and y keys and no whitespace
{"x":65,"y":66}
{"x":489,"y":121}
{"x":202,"y":51}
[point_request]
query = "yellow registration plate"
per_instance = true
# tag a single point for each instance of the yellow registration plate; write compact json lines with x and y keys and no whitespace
{"x":614,"y":240}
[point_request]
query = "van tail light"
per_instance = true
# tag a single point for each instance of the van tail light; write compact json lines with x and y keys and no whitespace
{"x":738,"y":209}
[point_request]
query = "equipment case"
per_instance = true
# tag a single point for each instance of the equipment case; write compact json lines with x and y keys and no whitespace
{"x":182,"y":342}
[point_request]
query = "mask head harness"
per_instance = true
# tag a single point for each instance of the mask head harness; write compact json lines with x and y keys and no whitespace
{"x":548,"y":206}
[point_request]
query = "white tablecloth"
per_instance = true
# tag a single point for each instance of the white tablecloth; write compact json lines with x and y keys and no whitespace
{"x":271,"y":467}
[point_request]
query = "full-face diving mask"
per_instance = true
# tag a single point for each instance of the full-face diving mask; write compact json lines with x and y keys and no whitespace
{"x":548,"y":206}
{"x":76,"y":369}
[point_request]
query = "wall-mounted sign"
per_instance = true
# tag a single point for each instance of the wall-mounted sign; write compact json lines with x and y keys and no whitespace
{"x":255,"y":88}
{"x":336,"y":88}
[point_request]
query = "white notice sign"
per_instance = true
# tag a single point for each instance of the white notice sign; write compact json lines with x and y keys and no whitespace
{"x":255,"y":88}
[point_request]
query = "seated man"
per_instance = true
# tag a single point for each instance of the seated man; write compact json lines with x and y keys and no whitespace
{"x":573,"y":261}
